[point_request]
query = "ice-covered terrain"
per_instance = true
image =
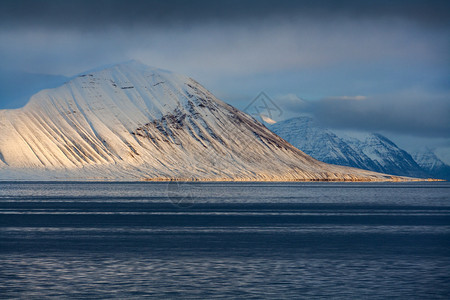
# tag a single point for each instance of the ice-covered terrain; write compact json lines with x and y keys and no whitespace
{"x":434,"y":166}
{"x":134,"y":122}
{"x":366,"y":151}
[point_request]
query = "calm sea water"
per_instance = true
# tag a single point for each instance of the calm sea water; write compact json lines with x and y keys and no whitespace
{"x":225,"y":240}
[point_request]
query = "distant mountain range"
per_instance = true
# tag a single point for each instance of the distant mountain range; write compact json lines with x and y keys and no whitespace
{"x":429,"y":162}
{"x":366,"y":151}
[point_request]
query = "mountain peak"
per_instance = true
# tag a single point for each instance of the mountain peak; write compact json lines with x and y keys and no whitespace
{"x":428,"y":160}
{"x":134,"y":66}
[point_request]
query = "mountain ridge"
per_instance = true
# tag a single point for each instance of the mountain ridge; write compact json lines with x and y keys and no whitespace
{"x":429,"y":161}
{"x":134,"y":122}
{"x":373,"y":151}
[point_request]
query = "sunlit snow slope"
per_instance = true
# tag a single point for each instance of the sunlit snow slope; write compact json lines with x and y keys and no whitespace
{"x":133,"y":122}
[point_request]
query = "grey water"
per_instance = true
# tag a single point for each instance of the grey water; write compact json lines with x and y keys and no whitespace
{"x":86,"y":240}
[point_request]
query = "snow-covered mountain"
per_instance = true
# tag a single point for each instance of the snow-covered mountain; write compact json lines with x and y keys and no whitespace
{"x":370,"y":151}
{"x":385,"y":155}
{"x":429,"y":161}
{"x":133,"y":122}
{"x":321,"y":143}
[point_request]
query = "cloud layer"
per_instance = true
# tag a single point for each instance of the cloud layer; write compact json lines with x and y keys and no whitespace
{"x":379,"y":65}
{"x":415,"y":113}
{"x":97,"y":15}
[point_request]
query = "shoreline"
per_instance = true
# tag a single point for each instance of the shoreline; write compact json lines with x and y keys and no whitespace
{"x":293,"y":180}
{"x":168,"y":180}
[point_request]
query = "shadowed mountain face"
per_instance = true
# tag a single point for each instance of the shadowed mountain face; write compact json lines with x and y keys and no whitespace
{"x":370,"y":152}
{"x":429,"y":162}
{"x":131,"y":122}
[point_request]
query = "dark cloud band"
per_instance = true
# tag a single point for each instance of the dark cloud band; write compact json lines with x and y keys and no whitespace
{"x":425,"y":115}
{"x":98,"y":14}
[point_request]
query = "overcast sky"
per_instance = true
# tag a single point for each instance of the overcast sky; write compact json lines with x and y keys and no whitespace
{"x":361,"y":65}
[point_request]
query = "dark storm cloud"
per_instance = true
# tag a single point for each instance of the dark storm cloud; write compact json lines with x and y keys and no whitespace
{"x":425,"y":118}
{"x":410,"y":113}
{"x":98,"y":14}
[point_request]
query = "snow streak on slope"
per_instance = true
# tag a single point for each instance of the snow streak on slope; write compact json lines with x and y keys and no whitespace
{"x":133,"y":122}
